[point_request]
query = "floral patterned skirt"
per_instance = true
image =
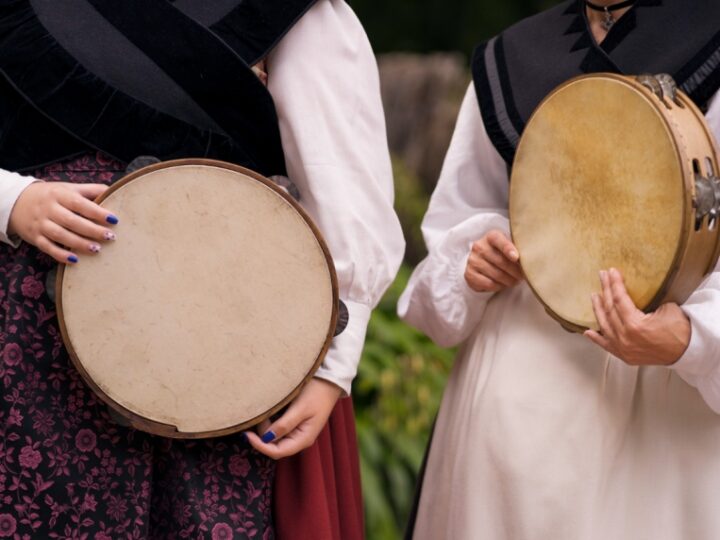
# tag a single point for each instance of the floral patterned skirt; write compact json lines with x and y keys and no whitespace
{"x":67,"y":470}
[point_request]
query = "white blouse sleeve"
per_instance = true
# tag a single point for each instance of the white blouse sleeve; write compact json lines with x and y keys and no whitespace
{"x":11,"y":186}
{"x":471,"y":199}
{"x":324,"y":80}
{"x":700,"y":365}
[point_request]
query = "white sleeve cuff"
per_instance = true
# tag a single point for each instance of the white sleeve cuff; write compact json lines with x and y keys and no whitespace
{"x":691,"y":364}
{"x":11,"y":186}
{"x":700,"y":358}
{"x":341,"y":362}
{"x":438,"y":301}
{"x":699,"y":365}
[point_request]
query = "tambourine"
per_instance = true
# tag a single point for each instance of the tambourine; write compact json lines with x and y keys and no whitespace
{"x":215,"y":305}
{"x":615,"y":171}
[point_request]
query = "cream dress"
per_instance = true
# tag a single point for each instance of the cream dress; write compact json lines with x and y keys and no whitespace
{"x":541,"y":434}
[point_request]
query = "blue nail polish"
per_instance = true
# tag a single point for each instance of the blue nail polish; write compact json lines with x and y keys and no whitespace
{"x":244,"y":436}
{"x":72,"y":258}
{"x":269,"y":437}
{"x":112,"y":220}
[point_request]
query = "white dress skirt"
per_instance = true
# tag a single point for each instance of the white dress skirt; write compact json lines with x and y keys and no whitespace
{"x":541,"y":434}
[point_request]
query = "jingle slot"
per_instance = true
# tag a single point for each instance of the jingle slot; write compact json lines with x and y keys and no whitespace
{"x":699,"y":215}
{"x":699,"y":223}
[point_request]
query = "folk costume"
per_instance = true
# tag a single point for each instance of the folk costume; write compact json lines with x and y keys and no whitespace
{"x":542,"y":434}
{"x":86,"y":87}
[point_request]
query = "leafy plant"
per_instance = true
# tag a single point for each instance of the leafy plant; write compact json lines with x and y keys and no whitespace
{"x":397,"y":393}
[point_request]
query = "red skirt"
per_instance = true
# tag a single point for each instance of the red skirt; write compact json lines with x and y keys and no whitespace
{"x":317,"y":492}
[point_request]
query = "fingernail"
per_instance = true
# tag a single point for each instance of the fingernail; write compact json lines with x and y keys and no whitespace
{"x":109,"y":235}
{"x":72,"y":258}
{"x":112,"y":220}
{"x":514,"y":254}
{"x":244,"y":436}
{"x":602,"y":274}
{"x":269,"y":437}
{"x":95,"y":248}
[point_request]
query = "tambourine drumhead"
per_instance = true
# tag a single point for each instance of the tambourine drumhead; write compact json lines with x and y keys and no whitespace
{"x":597,"y":183}
{"x":214,"y":305}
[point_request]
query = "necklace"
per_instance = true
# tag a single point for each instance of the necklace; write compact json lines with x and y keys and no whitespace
{"x":609,"y":20}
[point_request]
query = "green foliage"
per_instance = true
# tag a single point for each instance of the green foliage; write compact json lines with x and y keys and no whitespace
{"x":397,"y":393}
{"x":411,"y":202}
{"x":440,"y":25}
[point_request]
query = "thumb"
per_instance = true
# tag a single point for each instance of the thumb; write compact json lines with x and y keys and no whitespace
{"x":283,"y":425}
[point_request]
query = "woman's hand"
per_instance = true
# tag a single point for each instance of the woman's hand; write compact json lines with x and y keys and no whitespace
{"x":493,"y":264}
{"x":301,"y":423}
{"x":60,"y":219}
{"x":637,"y":338}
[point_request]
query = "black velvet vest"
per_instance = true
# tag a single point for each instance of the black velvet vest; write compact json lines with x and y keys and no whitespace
{"x":139,"y":77}
{"x":514,"y":71}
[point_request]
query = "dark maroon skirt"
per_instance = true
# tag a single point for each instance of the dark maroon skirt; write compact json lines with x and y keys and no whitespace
{"x":317,"y":492}
{"x":67,"y":470}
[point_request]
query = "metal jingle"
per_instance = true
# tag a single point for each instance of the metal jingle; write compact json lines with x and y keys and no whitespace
{"x":140,"y":162}
{"x":343,"y":318}
{"x":651,"y":83}
{"x":707,"y":198}
{"x":288,"y":185}
{"x":668,"y":85}
{"x":50,"y":283}
{"x":715,"y":182}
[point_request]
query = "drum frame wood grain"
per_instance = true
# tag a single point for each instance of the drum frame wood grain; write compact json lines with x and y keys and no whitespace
{"x":166,"y":430}
{"x":689,"y":266}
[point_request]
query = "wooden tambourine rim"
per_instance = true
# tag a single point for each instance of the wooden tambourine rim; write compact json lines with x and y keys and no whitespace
{"x":166,"y":430}
{"x":682,"y":244}
{"x":690,"y":104}
{"x":688,"y":224}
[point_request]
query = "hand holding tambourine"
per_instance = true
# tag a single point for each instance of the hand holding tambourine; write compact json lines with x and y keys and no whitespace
{"x":211,"y":312}
{"x":615,"y":209}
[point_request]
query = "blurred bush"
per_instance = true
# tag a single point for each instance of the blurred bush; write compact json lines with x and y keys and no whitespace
{"x":421,"y":95}
{"x":411,"y":203}
{"x":396,"y":395}
{"x":440,"y":25}
{"x":399,"y":385}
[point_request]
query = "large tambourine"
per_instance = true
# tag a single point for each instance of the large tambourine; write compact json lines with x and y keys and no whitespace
{"x":215,"y":305}
{"x":615,"y":171}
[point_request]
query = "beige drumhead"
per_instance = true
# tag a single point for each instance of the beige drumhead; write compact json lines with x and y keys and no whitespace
{"x":214,"y":305}
{"x":597,"y":183}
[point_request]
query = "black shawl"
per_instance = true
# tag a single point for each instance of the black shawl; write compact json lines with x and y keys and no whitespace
{"x":515,"y":70}
{"x":139,"y":77}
